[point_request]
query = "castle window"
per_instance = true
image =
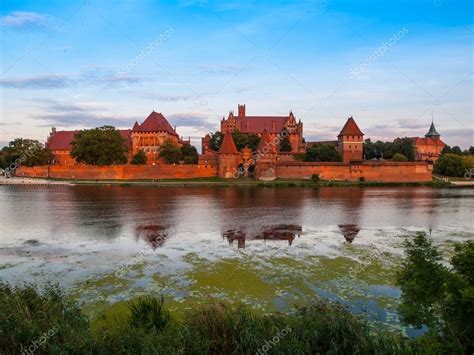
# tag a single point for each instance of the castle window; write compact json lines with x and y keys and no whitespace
{"x":350,"y":147}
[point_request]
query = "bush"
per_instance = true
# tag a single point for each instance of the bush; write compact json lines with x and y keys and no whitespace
{"x":189,"y":154}
{"x":139,"y":158}
{"x":315,"y":178}
{"x":399,"y":157}
{"x":170,"y":152}
{"x":216,"y":328}
{"x":450,"y":165}
{"x":148,"y":313}
{"x":361,"y":178}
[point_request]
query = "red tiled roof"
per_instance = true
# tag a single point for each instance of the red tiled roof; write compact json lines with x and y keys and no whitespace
{"x":61,"y":140}
{"x":155,"y":122}
{"x":269,"y":142}
{"x":350,"y":128}
{"x":228,"y":145}
{"x":257,"y":124}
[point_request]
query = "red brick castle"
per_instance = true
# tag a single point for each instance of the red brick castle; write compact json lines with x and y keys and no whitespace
{"x":266,"y":163}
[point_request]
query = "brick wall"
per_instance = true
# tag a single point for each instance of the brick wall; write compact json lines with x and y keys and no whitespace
{"x":371,"y":171}
{"x":125,"y":172}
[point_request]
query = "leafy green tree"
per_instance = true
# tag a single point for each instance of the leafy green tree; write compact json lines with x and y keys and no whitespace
{"x":386,"y":150}
{"x":139,"y":158}
{"x":26,"y":152}
{"x":438,"y":296}
{"x":450,"y":165}
{"x":190,"y":154}
{"x":399,"y":157}
{"x":241,"y":140}
{"x":322,"y":152}
{"x":216,"y":140}
{"x":285,"y":144}
{"x":452,"y":150}
{"x":471,"y":150}
{"x":170,"y":152}
{"x":403,"y":146}
{"x":99,"y":146}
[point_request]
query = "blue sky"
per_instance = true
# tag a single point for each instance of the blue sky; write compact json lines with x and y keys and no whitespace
{"x":390,"y":64}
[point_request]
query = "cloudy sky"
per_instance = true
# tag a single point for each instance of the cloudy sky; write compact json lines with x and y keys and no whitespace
{"x":389,"y":64}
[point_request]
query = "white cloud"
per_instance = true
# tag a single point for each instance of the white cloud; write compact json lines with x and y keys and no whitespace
{"x":21,"y":19}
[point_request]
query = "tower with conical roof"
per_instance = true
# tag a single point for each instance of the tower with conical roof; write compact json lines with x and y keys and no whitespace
{"x":228,"y":158}
{"x":432,"y":133}
{"x":350,"y":141}
{"x":430,"y":147}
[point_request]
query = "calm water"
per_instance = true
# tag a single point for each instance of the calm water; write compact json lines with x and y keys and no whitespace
{"x":269,"y":248}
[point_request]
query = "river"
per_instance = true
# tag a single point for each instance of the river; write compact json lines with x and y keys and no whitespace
{"x":270,"y":248}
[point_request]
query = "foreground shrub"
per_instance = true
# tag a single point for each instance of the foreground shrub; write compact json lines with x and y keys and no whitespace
{"x":40,"y":323}
{"x":146,"y":327}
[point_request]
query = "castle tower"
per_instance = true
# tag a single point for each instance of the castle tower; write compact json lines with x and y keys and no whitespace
{"x":432,"y":133}
{"x":350,"y":141}
{"x":228,"y":158}
{"x":241,"y":110}
{"x":266,"y":158}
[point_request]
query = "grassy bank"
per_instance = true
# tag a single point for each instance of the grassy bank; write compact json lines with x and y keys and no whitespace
{"x":217,"y":181}
{"x":48,"y":323}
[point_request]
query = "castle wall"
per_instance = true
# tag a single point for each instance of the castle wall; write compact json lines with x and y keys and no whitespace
{"x":119,"y":172}
{"x":370,"y":171}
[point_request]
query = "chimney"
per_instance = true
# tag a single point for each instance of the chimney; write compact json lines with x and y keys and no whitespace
{"x":241,"y":110}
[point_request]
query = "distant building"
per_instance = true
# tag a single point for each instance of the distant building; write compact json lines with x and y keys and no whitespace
{"x":274,"y":125}
{"x":151,"y":134}
{"x":148,"y":136}
{"x":428,"y":148}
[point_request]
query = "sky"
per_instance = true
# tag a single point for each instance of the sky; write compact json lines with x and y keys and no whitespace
{"x":392,"y":65}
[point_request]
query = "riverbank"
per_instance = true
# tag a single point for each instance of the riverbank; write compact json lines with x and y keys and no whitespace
{"x":219,"y":182}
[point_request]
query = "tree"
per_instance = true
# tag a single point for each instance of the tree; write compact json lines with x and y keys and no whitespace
{"x":322,"y":152}
{"x":450,"y":165}
{"x":241,"y":140}
{"x":285,"y":144}
{"x":452,"y":150}
{"x":139,"y":158}
{"x":99,"y":146}
{"x":216,"y":140}
{"x":399,"y":157}
{"x":190,"y":154}
{"x":403,"y":146}
{"x":438,"y":296}
{"x":170,"y":152}
{"x":26,"y":152}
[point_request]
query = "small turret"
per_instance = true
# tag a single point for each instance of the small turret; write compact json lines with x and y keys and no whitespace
{"x":432,"y":133}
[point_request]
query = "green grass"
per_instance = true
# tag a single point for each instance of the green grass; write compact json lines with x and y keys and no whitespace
{"x":144,"y":326}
